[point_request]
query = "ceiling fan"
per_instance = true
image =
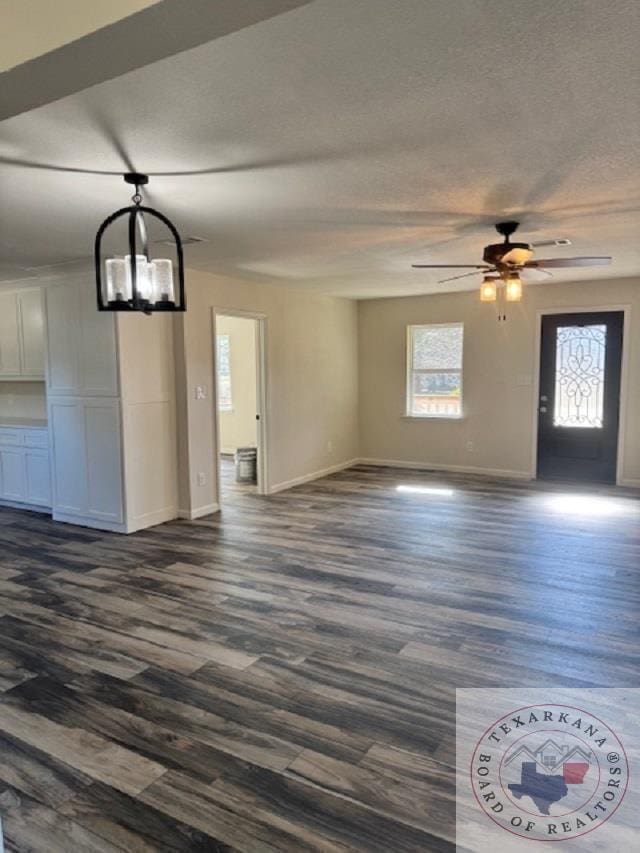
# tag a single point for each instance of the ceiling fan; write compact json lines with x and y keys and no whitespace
{"x":509,"y":260}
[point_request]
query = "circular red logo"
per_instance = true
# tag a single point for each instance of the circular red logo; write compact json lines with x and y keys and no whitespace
{"x":549,"y":772}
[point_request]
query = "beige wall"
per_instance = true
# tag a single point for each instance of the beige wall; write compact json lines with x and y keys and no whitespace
{"x":498,"y":379}
{"x":33,"y":27}
{"x":311,"y":381}
{"x":238,"y":426}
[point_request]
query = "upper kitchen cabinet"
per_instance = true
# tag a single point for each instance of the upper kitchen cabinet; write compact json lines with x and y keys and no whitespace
{"x":82,"y":343}
{"x":31,"y":333}
{"x":22,"y":335}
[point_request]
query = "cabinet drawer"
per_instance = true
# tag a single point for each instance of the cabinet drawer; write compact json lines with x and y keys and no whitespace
{"x":36,"y":438}
{"x":12,"y":437}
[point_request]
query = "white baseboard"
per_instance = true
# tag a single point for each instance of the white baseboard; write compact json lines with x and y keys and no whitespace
{"x":629,"y":483}
{"x":198,"y":512}
{"x":454,"y":469}
{"x":151,"y":519}
{"x":46,"y":510}
{"x":93,"y":523}
{"x":315,"y":475}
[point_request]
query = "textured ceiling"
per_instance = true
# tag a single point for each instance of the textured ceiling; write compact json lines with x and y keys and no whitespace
{"x":337,"y":143}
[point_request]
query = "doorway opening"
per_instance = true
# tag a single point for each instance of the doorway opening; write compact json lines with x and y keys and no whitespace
{"x":240,"y":433}
{"x":579,"y":399}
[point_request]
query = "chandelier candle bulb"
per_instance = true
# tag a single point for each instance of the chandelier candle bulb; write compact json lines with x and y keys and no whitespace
{"x":143,"y":276}
{"x":162,"y":281}
{"x":118,"y":280}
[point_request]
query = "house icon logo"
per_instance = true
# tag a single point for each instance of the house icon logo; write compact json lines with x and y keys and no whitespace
{"x":549,"y":772}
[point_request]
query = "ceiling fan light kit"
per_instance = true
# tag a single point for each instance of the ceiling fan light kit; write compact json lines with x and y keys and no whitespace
{"x":133,"y":280}
{"x":508,"y":260}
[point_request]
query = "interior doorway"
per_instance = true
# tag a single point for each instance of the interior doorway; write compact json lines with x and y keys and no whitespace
{"x":240,"y":404}
{"x":579,"y":402}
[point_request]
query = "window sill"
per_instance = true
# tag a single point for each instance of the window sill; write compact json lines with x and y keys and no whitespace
{"x":432,"y":417}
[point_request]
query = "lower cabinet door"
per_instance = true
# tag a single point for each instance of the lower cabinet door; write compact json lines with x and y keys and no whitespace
{"x":38,"y":479}
{"x":104,"y":460}
{"x":68,"y":456}
{"x":12,"y":475}
{"x":86,"y":458}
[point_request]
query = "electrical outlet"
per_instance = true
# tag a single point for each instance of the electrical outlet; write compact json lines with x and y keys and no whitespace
{"x":329,"y":447}
{"x":201,"y":478}
{"x":470,"y":446}
{"x":201,"y":392}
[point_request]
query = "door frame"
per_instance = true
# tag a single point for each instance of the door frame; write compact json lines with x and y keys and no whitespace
{"x":263,"y":485}
{"x":624,"y":377}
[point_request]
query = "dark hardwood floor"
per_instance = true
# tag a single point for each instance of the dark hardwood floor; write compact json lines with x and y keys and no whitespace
{"x":281,"y":676}
{"x":229,"y":486}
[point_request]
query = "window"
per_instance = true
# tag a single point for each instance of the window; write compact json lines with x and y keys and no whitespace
{"x":434,"y":374}
{"x":223,"y":363}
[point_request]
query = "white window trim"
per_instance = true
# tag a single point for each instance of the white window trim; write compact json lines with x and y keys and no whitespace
{"x":408,"y":413}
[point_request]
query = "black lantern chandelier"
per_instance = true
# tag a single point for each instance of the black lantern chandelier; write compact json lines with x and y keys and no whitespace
{"x":134,"y":281}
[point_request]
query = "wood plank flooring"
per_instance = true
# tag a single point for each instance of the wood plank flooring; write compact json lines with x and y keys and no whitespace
{"x":281,"y":676}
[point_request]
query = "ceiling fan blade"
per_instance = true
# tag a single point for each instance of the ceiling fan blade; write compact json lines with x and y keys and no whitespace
{"x":465,"y":275}
{"x":450,"y":266}
{"x":535,"y":274}
{"x":561,"y":241}
{"x":570,"y":262}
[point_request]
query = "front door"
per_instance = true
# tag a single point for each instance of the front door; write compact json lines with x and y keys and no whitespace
{"x":578,"y":409}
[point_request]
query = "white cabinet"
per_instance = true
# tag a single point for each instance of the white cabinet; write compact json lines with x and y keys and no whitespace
{"x":110,"y":394}
{"x":24,"y":466}
{"x":86,"y":459}
{"x":37,"y":477}
{"x":31,"y":333}
{"x":81,"y":343}
{"x":22,"y":335}
{"x":9,"y":340}
{"x":12,"y":475}
{"x":68,"y":456}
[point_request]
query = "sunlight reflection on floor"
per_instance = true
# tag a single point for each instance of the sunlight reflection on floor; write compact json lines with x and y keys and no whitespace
{"x":589,"y":506}
{"x":427,"y":490}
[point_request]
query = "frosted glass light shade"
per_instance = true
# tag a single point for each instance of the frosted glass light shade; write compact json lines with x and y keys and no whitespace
{"x":162,"y":280}
{"x":513,"y":289}
{"x":118,"y":280}
{"x":143,"y":276}
{"x":488,"y":291}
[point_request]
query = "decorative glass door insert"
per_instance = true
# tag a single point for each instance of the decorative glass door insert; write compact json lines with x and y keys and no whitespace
{"x":580,"y":376}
